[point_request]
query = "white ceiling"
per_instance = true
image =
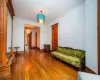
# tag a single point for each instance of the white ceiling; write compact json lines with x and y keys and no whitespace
{"x":53,"y":9}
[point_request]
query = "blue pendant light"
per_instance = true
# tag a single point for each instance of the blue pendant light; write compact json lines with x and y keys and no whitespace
{"x":40,"y":18}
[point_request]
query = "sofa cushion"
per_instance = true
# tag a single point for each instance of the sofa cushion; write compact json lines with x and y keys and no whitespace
{"x":60,"y":49}
{"x":78,"y":53}
{"x":71,"y":52}
{"x":66,"y":51}
{"x":69,"y":59}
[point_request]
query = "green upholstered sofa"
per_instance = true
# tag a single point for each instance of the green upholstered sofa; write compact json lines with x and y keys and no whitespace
{"x":74,"y":57}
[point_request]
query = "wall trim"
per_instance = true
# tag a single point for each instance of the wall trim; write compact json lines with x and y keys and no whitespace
{"x":98,"y":36}
{"x":41,"y":49}
{"x":87,"y":69}
{"x":37,"y":48}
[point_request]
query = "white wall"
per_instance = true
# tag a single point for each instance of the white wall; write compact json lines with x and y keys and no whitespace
{"x":71,"y":28}
{"x":91,"y":34}
{"x":19,"y":33}
{"x":9,"y":28}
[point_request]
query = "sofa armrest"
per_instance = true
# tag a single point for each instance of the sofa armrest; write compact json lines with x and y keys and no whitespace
{"x":82,"y":63}
{"x":53,"y":50}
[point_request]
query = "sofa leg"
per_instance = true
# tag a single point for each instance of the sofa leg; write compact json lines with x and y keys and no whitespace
{"x":80,"y":69}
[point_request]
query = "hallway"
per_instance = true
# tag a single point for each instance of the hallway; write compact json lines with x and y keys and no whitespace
{"x":38,"y":65}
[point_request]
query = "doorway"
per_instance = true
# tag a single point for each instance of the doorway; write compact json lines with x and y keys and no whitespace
{"x":54,"y":36}
{"x":31,"y":37}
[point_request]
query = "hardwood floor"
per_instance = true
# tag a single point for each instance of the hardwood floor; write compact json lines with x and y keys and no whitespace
{"x":38,"y":65}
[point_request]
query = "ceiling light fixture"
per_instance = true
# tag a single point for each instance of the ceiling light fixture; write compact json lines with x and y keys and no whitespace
{"x":41,"y":18}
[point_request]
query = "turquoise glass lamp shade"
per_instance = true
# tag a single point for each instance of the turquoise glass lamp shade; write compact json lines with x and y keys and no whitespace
{"x":40,"y":18}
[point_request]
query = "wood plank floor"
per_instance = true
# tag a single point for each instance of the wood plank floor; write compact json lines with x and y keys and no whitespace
{"x":38,"y":65}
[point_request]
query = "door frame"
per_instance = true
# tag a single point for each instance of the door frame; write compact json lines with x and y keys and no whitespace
{"x":30,"y":40}
{"x":52,"y":34}
{"x":36,"y":38}
{"x":28,"y":26}
{"x":99,"y":37}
